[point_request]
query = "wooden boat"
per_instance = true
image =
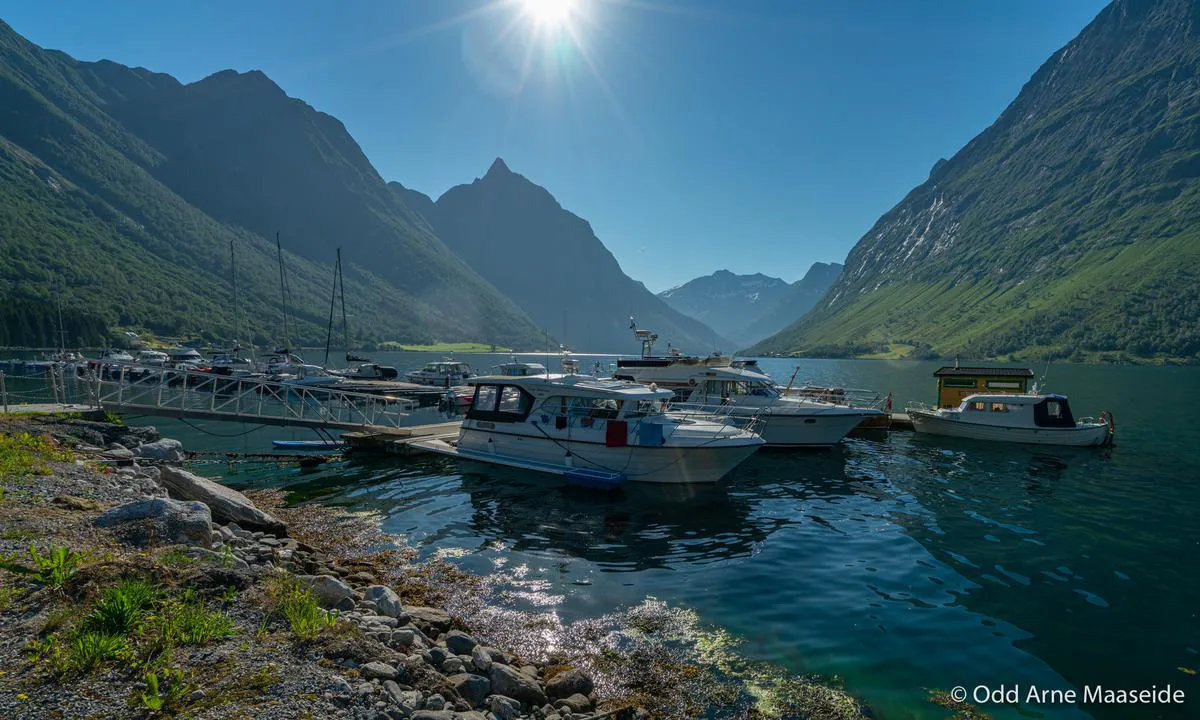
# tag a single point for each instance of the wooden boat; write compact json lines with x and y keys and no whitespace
{"x":1001,"y":417}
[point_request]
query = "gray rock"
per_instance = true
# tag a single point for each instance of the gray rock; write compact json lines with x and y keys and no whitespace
{"x":452,"y":665}
{"x":116,"y":451}
{"x":385,"y":599}
{"x":380,"y":670}
{"x":472,"y":688}
{"x":566,"y":684}
{"x":405,"y":637}
{"x":227,"y":505}
{"x":166,"y":450}
{"x":407,"y":700}
{"x":513,"y":684}
{"x":576,"y":703}
{"x":481,"y":658}
{"x":427,"y":616}
{"x":435,"y":715}
{"x":435,"y":702}
{"x":340,"y":686}
{"x":330,"y":591}
{"x":459,"y":642}
{"x":438,"y":655}
{"x":159,"y":520}
{"x":504,"y":708}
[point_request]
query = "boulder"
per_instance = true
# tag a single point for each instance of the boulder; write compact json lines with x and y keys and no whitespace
{"x":160,"y":520}
{"x":380,"y":670}
{"x":165,"y":450}
{"x":406,"y":700}
{"x":434,"y":715}
{"x":453,"y":665}
{"x":227,"y":505}
{"x":330,"y":591}
{"x":459,"y":642}
{"x":481,"y":658}
{"x":472,"y":688}
{"x":566,"y":684}
{"x":387,"y":602}
{"x":519,"y":686}
{"x":426,"y":617}
{"x":575,"y":703}
{"x":505,"y":708}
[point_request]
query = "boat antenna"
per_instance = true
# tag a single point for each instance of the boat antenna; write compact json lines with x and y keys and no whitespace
{"x":287,"y":340}
{"x":332,"y":299}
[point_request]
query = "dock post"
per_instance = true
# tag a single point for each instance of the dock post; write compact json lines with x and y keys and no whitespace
{"x":3,"y":393}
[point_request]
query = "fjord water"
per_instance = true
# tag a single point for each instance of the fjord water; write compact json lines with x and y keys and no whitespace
{"x":901,"y":564}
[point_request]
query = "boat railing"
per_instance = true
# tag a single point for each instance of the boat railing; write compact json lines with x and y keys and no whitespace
{"x":919,"y":406}
{"x":720,"y":412}
{"x":851,"y":397}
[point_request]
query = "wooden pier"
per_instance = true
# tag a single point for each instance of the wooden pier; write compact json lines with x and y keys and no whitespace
{"x":400,"y":441}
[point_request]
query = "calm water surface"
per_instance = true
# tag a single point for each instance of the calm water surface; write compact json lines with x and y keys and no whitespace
{"x":901,"y":564}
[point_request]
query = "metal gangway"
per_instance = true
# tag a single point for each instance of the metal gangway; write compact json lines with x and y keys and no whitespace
{"x":191,"y":394}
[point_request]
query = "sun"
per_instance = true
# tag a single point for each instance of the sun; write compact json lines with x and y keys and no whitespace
{"x":549,"y":14}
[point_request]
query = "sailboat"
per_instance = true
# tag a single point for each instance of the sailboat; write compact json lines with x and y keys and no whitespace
{"x":365,"y":369}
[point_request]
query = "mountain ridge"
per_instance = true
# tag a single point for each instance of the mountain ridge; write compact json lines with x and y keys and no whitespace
{"x":550,"y":262}
{"x":1065,"y":229}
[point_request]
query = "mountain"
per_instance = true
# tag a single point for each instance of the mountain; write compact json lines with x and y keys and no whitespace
{"x":800,"y":297}
{"x":748,"y":308}
{"x":548,"y":260}
{"x":1069,"y":228}
{"x":124,"y":189}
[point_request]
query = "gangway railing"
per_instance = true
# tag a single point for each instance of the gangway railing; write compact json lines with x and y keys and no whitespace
{"x":203,"y":395}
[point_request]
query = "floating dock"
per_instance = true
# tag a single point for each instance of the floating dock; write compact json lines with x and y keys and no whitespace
{"x":400,"y":441}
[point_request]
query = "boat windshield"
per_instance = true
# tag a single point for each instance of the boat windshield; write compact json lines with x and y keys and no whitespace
{"x":756,"y":388}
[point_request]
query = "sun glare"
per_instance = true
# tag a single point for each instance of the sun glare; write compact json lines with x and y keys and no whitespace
{"x":549,"y":14}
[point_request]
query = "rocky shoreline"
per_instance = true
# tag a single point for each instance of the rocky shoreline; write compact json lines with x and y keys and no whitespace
{"x":315,"y":614}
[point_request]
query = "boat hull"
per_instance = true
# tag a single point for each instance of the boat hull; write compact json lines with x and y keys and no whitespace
{"x":1078,"y":436}
{"x":663,"y":464}
{"x":820,"y":430}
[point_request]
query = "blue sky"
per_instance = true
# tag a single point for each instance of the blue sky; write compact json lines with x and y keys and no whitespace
{"x":694,"y":135}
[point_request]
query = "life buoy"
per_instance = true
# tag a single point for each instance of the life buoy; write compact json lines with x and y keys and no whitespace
{"x":692,"y":382}
{"x":1107,"y":417}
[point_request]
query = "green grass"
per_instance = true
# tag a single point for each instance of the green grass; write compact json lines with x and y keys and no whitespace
{"x":460,"y":347}
{"x":299,"y":607}
{"x":52,"y":569}
{"x":22,"y":454}
{"x":176,"y":557}
{"x":166,"y":691}
{"x":187,"y":620}
{"x":120,"y":609}
{"x":90,"y":650}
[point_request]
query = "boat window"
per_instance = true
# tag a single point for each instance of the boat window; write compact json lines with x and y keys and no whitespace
{"x":555,"y":405}
{"x":485,"y":398}
{"x":512,"y":400}
{"x":999,"y":407}
{"x":642,"y":408}
{"x":952,"y":382}
{"x":978,"y":405}
{"x":607,"y":408}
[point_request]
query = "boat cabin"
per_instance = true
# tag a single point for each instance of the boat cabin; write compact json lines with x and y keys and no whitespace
{"x":519,"y":369}
{"x":559,"y":401}
{"x":956,"y":383}
{"x":1008,"y":410}
{"x":185,"y":356}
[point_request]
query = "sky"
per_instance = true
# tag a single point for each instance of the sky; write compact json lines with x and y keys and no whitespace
{"x":694,"y":135}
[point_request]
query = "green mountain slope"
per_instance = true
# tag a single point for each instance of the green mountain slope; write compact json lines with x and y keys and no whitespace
{"x":552,"y":265}
{"x":126,"y":188}
{"x":1069,"y":228}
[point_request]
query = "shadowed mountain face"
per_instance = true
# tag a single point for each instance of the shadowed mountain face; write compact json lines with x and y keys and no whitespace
{"x":1069,"y":228}
{"x":748,"y":308}
{"x":548,"y":260}
{"x":128,"y":187}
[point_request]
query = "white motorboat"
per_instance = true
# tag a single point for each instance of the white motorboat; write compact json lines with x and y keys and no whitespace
{"x":445,"y":373}
{"x":186,"y":359}
{"x":151,"y":357}
{"x":601,"y":431}
{"x":1027,"y":418}
{"x":114,"y":355}
{"x":515,"y":368}
{"x":312,"y":376}
{"x":739,"y":388}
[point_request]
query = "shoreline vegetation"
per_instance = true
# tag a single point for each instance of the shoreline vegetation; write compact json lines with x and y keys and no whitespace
{"x":133,"y":588}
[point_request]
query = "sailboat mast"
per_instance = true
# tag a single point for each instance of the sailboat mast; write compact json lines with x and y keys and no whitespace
{"x":287,"y":341}
{"x":62,"y":331}
{"x":342,"y":290}
{"x":237,"y":305}
{"x":332,"y":299}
